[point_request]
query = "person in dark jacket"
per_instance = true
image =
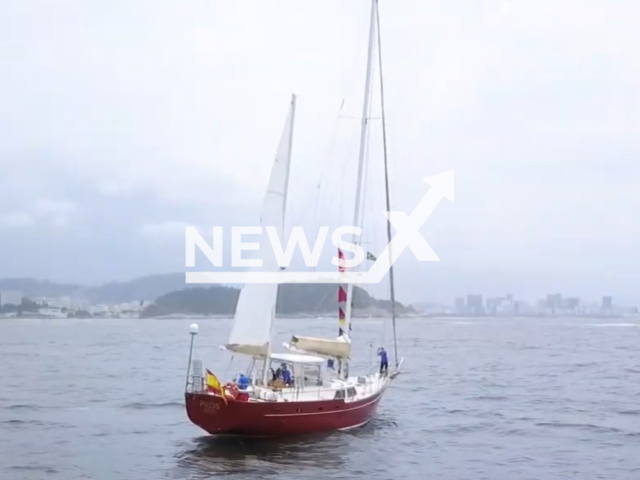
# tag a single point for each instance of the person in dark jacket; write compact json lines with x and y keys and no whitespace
{"x":384,"y":361}
{"x":286,"y":375}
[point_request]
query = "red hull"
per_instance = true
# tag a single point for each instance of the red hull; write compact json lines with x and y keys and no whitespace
{"x":210,"y":413}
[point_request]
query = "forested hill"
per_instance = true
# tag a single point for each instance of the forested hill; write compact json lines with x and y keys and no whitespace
{"x":293,"y":299}
{"x":148,"y":288}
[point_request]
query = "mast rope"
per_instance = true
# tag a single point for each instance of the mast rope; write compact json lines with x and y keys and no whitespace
{"x":386,"y":182}
{"x":329,"y":150}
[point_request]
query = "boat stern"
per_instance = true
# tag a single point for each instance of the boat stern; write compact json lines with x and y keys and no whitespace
{"x":211,"y":412}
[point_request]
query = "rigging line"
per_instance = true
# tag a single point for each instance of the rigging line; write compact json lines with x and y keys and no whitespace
{"x":226,"y":371}
{"x":386,"y":184}
{"x":328,"y":155}
{"x":328,"y":164}
{"x":371,"y":245}
{"x":322,"y":300}
{"x":369,"y":223}
{"x":340,"y":185}
{"x":366,"y":168}
{"x":365,"y":184}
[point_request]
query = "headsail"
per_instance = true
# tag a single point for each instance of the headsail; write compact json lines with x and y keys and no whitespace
{"x":256,"y":308}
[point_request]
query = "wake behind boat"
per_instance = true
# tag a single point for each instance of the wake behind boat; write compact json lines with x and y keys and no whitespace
{"x":307,"y":389}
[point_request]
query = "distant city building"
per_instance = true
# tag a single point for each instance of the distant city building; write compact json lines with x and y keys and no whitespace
{"x":521,"y":308}
{"x":508,"y":305}
{"x":493,"y":304}
{"x":99,"y":310}
{"x":475,"y":304}
{"x":554,"y":304}
{"x":59,"y":302}
{"x":554,"y":301}
{"x":500,"y":306}
{"x":10,"y":298}
{"x":459,"y":305}
{"x":52,"y":312}
{"x":570,"y":303}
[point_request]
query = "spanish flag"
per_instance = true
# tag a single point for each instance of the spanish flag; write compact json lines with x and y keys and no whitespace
{"x":212,"y":381}
{"x":214,"y":384}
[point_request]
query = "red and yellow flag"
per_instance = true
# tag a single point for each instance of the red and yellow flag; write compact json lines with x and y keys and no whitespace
{"x":212,"y":381}
{"x":214,"y":384}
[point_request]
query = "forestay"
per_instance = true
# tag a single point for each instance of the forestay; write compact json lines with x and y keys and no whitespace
{"x":255,"y":311}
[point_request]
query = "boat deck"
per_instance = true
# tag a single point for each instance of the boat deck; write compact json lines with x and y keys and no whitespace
{"x":352,"y":389}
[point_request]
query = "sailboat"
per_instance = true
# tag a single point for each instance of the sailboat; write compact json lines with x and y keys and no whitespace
{"x":308,"y":388}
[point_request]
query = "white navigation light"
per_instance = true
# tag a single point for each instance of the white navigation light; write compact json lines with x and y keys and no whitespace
{"x":193,"y":329}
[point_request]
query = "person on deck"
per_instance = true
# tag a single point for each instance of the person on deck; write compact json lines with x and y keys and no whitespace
{"x":279,"y":371}
{"x":286,"y":375}
{"x":384,"y":362}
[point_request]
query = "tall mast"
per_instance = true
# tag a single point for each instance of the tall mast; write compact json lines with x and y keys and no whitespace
{"x":366,"y":108}
{"x":392,"y":292}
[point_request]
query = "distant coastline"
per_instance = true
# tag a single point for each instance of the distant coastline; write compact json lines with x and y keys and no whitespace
{"x":167,"y":296}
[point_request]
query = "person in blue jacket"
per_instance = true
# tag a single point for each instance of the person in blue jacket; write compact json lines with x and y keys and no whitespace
{"x":384,"y":361}
{"x":286,"y":375}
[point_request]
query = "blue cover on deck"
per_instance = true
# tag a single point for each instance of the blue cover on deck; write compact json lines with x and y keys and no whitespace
{"x":243,"y":382}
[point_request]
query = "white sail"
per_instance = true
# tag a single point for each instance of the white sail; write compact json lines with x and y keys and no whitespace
{"x":255,"y":311}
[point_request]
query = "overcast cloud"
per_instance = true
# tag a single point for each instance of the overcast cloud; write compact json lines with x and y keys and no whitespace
{"x":121,"y":122}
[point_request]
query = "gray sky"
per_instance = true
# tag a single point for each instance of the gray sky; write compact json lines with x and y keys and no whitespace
{"x":121,"y":122}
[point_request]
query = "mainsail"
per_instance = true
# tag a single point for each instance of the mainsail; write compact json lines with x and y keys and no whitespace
{"x":256,"y":308}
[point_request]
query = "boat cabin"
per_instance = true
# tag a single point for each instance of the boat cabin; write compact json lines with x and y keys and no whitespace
{"x":294,"y":370}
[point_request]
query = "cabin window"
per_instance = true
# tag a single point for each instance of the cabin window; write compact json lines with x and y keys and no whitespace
{"x":339,"y":395}
{"x":276,"y":375}
{"x":351,"y":392}
{"x":312,"y":375}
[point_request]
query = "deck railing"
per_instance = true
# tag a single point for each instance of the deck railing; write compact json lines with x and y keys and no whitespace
{"x":197,"y":384}
{"x":196,"y":381}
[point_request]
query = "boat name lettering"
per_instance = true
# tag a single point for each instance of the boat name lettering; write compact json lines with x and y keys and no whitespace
{"x":209,"y":407}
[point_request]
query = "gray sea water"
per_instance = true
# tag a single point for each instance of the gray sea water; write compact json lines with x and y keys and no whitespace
{"x":479,"y":399}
